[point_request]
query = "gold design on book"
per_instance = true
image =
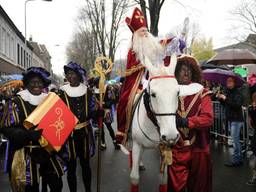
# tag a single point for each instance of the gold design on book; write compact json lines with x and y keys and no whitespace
{"x":59,"y":124}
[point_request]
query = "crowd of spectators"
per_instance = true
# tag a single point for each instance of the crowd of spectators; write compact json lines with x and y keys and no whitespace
{"x":238,"y":122}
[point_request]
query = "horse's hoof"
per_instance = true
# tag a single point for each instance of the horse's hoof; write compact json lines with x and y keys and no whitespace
{"x":163,"y":188}
{"x":134,"y":188}
{"x":142,"y":168}
{"x":117,"y":147}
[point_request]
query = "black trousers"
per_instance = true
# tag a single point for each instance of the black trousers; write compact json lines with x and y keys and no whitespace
{"x":86,"y":174}
{"x":33,"y":188}
{"x":110,"y":130}
{"x":50,"y":177}
{"x":81,"y":141}
{"x":53,"y":181}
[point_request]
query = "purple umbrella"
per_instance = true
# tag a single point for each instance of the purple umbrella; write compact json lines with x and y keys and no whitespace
{"x":221,"y":76}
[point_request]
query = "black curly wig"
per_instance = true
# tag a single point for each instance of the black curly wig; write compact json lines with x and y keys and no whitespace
{"x":192,"y":63}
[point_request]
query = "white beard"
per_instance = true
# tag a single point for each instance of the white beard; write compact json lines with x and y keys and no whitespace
{"x":148,"y":47}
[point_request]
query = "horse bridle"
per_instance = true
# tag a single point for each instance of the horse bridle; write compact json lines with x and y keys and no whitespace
{"x":153,"y":111}
{"x":149,"y":92}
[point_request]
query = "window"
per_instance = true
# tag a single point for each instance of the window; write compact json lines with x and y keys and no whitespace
{"x":24,"y":57}
{"x":27,"y":61}
{"x":7,"y":43}
{"x":11,"y":48}
{"x":21,"y":56}
{"x":18,"y":53}
{"x":3,"y":40}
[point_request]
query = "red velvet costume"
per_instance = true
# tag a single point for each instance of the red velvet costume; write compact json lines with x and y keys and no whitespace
{"x":134,"y":72}
{"x":191,"y":166}
{"x":128,"y":92}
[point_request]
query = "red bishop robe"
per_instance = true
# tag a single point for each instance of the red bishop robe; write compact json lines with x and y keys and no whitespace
{"x":192,"y":168}
{"x":134,"y":72}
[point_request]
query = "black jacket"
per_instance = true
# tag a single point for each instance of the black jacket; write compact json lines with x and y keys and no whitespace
{"x":252,"y":114}
{"x":233,"y":105}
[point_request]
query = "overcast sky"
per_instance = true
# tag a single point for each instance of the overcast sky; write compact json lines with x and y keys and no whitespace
{"x":52,"y":23}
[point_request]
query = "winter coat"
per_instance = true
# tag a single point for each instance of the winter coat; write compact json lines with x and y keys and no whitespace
{"x":233,"y":104}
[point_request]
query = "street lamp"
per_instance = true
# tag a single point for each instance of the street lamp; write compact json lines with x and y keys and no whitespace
{"x":26,"y":19}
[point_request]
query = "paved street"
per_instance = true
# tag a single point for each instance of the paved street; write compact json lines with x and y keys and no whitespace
{"x":115,"y":172}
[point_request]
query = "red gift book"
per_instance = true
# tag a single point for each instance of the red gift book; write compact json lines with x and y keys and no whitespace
{"x":55,"y":118}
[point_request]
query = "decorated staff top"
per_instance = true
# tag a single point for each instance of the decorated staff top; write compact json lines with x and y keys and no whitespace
{"x":103,"y":69}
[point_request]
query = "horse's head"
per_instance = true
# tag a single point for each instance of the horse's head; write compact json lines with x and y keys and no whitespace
{"x":163,"y":90}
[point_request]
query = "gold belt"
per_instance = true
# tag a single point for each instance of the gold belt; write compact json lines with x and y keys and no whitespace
{"x":32,"y":146}
{"x":81,"y":125}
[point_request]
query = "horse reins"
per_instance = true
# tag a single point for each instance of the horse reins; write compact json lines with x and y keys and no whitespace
{"x":152,"y":140}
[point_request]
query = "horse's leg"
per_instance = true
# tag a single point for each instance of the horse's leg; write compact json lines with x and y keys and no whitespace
{"x":163,"y":180}
{"x":141,"y":166}
{"x":130,"y":159}
{"x":134,"y":176}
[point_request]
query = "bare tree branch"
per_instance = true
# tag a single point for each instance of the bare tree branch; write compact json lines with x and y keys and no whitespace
{"x":97,"y":32}
{"x":161,"y":3}
{"x":184,"y":6}
{"x":154,"y":7}
{"x":245,"y":16}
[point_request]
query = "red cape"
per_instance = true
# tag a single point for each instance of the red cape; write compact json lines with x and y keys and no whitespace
{"x":128,"y":92}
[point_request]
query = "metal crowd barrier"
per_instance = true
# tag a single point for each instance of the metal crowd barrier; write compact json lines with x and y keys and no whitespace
{"x":220,"y":127}
{"x":4,"y":147}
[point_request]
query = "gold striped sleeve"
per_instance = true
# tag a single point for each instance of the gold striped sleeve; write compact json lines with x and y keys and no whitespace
{"x":206,"y":93}
{"x":5,"y":114}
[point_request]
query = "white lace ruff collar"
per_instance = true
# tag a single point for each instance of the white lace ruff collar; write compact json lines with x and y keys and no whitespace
{"x":75,"y":91}
{"x":32,"y":99}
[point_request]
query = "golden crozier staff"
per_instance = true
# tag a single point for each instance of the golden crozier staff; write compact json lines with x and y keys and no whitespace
{"x":100,"y":69}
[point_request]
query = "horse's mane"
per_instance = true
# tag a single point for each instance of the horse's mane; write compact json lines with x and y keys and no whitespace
{"x":161,"y":71}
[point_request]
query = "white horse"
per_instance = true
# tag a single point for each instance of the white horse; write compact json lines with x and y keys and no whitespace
{"x":162,"y":92}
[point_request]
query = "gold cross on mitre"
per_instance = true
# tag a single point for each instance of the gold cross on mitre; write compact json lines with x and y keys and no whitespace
{"x":139,"y":16}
